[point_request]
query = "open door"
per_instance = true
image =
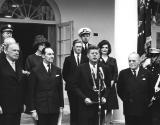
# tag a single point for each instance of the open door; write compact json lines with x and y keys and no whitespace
{"x":64,"y":41}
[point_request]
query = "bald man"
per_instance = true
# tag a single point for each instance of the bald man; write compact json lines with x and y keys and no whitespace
{"x":134,"y":87}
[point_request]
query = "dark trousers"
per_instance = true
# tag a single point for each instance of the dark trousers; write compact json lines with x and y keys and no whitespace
{"x":90,"y":120}
{"x":47,"y":119}
{"x":138,"y":120}
{"x":73,"y":103}
{"x":156,"y":112}
{"x":10,"y":119}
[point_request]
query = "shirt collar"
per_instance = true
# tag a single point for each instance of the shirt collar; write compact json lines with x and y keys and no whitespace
{"x":45,"y":65}
{"x":135,"y":70}
{"x":92,"y":67}
{"x":10,"y":61}
{"x":85,"y":44}
{"x":75,"y":54}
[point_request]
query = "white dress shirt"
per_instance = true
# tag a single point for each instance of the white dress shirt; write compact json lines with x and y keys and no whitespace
{"x":46,"y":66}
{"x":136,"y":71}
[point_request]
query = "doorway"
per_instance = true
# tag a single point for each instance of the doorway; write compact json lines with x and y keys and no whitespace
{"x":24,"y":33}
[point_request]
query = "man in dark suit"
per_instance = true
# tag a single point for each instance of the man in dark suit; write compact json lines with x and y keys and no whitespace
{"x":11,"y":86}
{"x":135,"y":90}
{"x":85,"y":35}
{"x":46,"y":90}
{"x":70,"y":64}
{"x":86,"y":83}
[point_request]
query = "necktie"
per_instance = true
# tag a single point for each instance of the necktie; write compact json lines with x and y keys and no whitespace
{"x":77,"y":59}
{"x":85,"y":45}
{"x":134,"y":73}
{"x":49,"y":69}
{"x":95,"y":71}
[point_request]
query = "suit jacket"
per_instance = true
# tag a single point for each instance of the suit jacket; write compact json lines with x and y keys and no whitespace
{"x":111,"y":63}
{"x":12,"y":86}
{"x":46,"y":90}
{"x":135,"y":92}
{"x":83,"y":87}
{"x":69,"y":68}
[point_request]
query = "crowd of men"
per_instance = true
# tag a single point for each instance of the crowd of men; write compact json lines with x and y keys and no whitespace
{"x":91,"y":81}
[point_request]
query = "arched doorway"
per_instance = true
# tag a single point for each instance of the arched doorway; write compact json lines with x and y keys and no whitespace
{"x":30,"y":18}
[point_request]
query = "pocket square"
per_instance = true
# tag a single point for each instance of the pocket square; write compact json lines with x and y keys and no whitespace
{"x":57,"y":75}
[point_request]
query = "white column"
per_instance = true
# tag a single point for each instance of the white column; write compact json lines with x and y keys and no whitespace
{"x":125,"y":38}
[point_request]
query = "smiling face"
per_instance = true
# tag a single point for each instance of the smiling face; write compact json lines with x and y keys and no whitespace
{"x":104,"y":49}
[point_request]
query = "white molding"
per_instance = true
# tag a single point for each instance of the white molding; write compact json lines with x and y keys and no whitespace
{"x":27,"y":21}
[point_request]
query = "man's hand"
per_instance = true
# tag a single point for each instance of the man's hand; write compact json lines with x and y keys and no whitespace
{"x":34,"y":115}
{"x":88,"y":101}
{"x":1,"y":111}
{"x":103,"y":100}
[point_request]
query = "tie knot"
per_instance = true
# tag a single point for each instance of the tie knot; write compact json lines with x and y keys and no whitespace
{"x":94,"y":66}
{"x":85,"y":44}
{"x":134,"y":72}
{"x":49,"y":66}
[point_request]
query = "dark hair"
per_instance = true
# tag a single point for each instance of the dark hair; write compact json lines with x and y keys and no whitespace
{"x":44,"y":50}
{"x":105,"y":42}
{"x":76,"y":41}
{"x":91,"y":47}
{"x":39,"y":40}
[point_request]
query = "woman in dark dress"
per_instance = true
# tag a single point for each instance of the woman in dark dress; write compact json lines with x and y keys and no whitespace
{"x":35,"y":59}
{"x":110,"y":62}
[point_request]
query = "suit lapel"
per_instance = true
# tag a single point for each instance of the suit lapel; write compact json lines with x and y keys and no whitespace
{"x":43,"y":70}
{"x":9,"y":67}
{"x":73,"y":60}
{"x":89,"y":76}
{"x":53,"y":70}
{"x":140,"y":72}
